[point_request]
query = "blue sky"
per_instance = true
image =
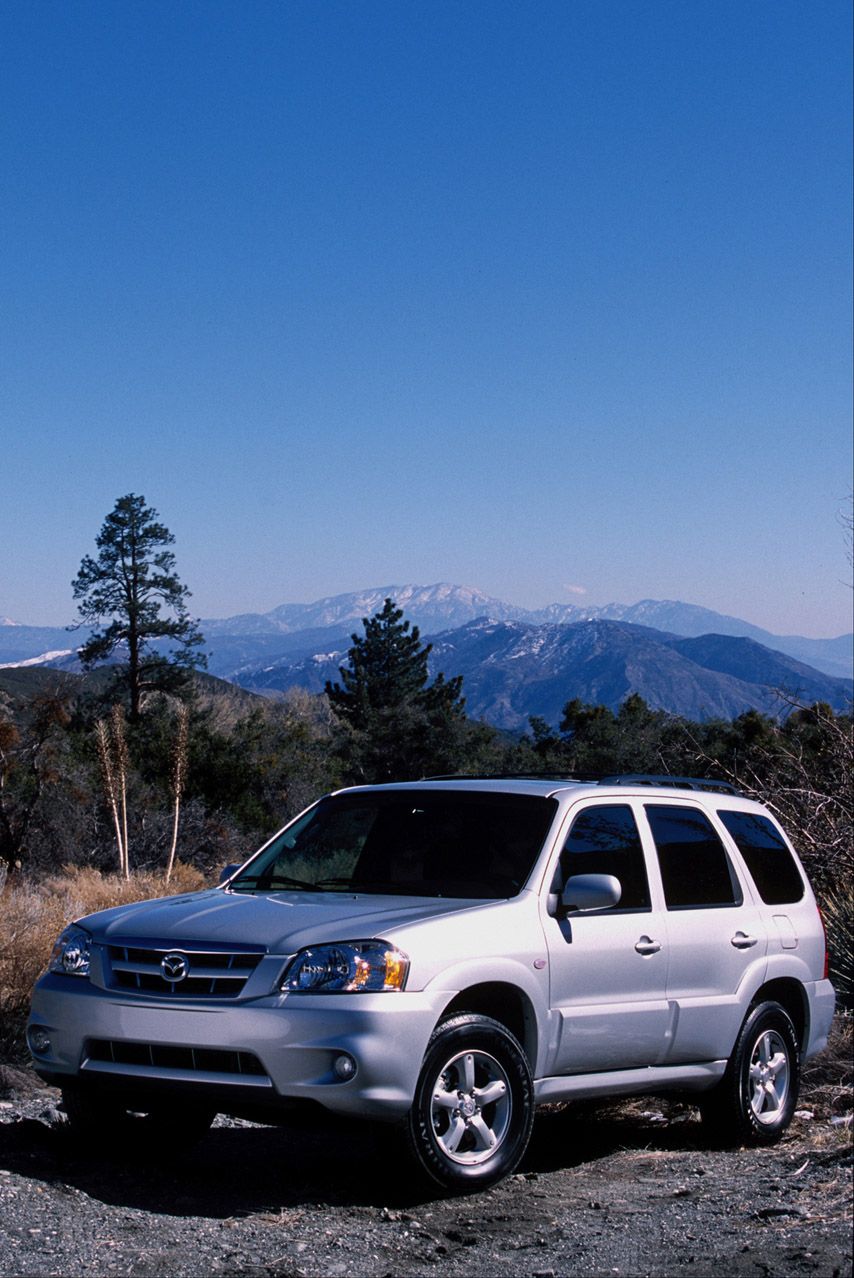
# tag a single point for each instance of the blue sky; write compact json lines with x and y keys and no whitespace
{"x":553,"y":299}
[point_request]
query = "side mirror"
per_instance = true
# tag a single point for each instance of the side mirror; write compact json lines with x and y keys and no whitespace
{"x":591,"y":892}
{"x":227,"y":871}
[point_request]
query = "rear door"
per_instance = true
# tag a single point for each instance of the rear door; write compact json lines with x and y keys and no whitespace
{"x":607,"y":967}
{"x":716,"y":937}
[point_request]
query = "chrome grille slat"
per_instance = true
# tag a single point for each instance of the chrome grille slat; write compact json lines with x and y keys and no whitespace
{"x":212,"y":974}
{"x":198,"y":969}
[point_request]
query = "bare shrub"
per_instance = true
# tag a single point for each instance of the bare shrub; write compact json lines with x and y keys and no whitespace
{"x":837,"y":906}
{"x":179,"y":776}
{"x":110,"y":788}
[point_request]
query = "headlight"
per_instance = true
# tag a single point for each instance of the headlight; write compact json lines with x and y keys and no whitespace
{"x":347,"y":967}
{"x":71,"y":952}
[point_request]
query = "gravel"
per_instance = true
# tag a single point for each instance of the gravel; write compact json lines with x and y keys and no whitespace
{"x":629,"y":1190}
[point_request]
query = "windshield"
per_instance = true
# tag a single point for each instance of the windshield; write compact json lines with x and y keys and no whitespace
{"x":472,"y":844}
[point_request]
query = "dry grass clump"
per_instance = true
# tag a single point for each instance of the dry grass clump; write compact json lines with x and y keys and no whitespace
{"x":33,"y":914}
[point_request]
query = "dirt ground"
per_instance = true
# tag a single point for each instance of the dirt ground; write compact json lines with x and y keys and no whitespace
{"x":626,"y":1190}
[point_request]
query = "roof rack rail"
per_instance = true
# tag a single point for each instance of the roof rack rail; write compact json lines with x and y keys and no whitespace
{"x":508,"y":776}
{"x":678,"y":783}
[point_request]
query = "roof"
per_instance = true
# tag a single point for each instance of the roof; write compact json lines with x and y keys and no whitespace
{"x":549,"y":786}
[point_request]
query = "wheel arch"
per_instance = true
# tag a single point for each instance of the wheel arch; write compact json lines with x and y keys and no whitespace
{"x":505,"y":1003}
{"x":792,"y":996}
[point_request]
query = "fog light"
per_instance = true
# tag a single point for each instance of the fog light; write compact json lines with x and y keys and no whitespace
{"x":344,"y":1067}
{"x":39,"y":1040}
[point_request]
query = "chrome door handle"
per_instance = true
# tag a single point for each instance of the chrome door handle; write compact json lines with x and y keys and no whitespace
{"x":646,"y":945}
{"x":742,"y":941}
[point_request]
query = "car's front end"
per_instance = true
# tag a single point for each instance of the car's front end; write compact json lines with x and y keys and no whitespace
{"x":247,"y":1023}
{"x":316,"y":974}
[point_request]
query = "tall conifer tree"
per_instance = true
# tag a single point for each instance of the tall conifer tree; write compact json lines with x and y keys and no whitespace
{"x":133,"y":583}
{"x":400,"y":724}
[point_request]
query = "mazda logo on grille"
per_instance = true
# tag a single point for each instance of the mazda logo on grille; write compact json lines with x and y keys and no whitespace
{"x":174,"y":967}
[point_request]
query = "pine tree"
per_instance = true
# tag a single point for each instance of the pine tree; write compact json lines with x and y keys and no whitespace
{"x":399,"y":724}
{"x":132,"y":582}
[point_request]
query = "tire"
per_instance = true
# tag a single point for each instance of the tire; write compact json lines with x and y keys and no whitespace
{"x":471,"y":1118}
{"x":104,"y":1122}
{"x":754,"y":1102}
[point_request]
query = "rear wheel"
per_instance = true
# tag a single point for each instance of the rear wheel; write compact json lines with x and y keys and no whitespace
{"x":471,"y":1118}
{"x":755,"y":1100}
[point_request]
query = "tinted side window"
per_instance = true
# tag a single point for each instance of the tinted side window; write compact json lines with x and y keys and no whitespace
{"x":605,"y":840}
{"x":769,"y":861}
{"x":695,"y":868}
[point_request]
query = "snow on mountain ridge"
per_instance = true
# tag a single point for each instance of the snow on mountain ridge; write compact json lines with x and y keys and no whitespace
{"x":438,"y":606}
{"x":43,"y":659}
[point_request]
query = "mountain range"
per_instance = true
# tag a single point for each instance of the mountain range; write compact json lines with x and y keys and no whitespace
{"x":512,"y":670}
{"x":446,"y":607}
{"x":516,"y":662}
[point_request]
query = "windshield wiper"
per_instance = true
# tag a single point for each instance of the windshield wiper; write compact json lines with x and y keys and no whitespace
{"x":264,"y":881}
{"x":384,"y":887}
{"x":365,"y":886}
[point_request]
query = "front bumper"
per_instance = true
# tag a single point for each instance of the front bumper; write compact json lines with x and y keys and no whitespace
{"x":295,"y":1037}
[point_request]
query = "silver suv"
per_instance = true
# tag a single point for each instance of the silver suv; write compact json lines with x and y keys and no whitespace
{"x":450,"y":954}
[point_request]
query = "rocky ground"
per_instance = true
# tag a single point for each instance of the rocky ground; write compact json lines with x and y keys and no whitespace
{"x":629,"y":1190}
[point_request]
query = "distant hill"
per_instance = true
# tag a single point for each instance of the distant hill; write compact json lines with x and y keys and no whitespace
{"x":447,"y":607}
{"x":439,"y":607}
{"x":18,"y":686}
{"x":833,"y":656}
{"x":512,"y":670}
{"x":24,"y":643}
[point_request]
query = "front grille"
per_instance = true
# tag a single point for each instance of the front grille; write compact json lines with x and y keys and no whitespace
{"x":207,"y":973}
{"x":202,"y":1060}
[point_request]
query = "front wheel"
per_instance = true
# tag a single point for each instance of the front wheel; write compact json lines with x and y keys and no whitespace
{"x":755,"y":1100}
{"x":471,"y":1118}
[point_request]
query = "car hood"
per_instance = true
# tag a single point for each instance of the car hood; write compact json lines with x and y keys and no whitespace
{"x":276,"y":922}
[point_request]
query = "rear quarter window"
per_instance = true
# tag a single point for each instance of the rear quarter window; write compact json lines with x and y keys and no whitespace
{"x":695,"y":869}
{"x":772,"y":866}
